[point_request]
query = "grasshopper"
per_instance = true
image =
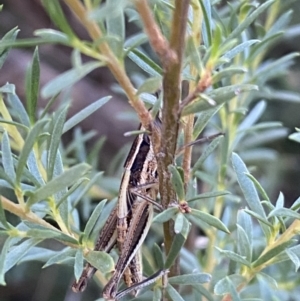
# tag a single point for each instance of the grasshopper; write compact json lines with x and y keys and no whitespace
{"x":129,"y":223}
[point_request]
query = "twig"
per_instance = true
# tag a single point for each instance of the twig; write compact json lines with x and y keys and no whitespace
{"x":170,"y":118}
{"x":156,"y":39}
{"x":200,"y":140}
{"x":17,"y":210}
{"x":202,"y":85}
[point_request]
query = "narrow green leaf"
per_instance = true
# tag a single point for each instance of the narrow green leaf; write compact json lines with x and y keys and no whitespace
{"x":219,"y":95}
{"x":268,"y":279}
{"x":207,"y":195}
{"x":17,"y":124}
{"x":63,"y":206}
{"x":283,"y":21}
{"x":57,"y":16}
{"x":166,"y":215}
{"x":3,"y":220}
{"x":280,"y":200}
{"x":294,"y":258}
{"x":101,"y":261}
{"x":247,"y":21}
{"x":78,"y":264}
{"x":238,"y":49}
{"x":86,"y":189}
{"x":9,"y":183}
{"x":258,"y":217}
{"x":158,"y":256}
{"x":227,"y":72}
{"x":147,"y":261}
{"x":193,"y":54}
{"x":145,"y":63}
{"x":244,"y":220}
{"x":208,"y":150}
{"x":249,"y":190}
{"x":17,"y":252}
{"x":61,"y":256}
{"x":295,"y":137}
{"x":263,"y":259}
{"x":19,"y":109}
{"x":55,"y":140}
{"x":203,"y":291}
{"x":52,"y":36}
{"x":232,"y":291}
{"x":7,"y":157}
{"x":243,"y":244}
{"x":93,"y":156}
{"x":29,"y":142}
{"x":33,"y":168}
{"x":259,"y":187}
{"x":32,"y":85}
{"x":3,"y":255}
{"x":288,"y":96}
{"x":283,"y":255}
{"x":206,"y":30}
{"x":178,"y":242}
{"x":8,"y":88}
{"x":209,"y":219}
{"x":222,"y":287}
{"x":93,"y":218}
{"x":228,"y":92}
{"x":188,"y":279}
{"x":150,"y":85}
{"x":234,"y":257}
{"x":270,"y":70}
{"x":68,"y":78}
{"x":83,"y":114}
{"x":192,"y":188}
{"x":59,"y":183}
{"x":215,"y":46}
{"x":42,"y":233}
{"x":135,"y":40}
{"x":263,"y":126}
{"x":115,"y":25}
{"x":203,"y":119}
{"x":265,"y":43}
{"x":296,"y":205}
{"x":173,"y":294}
{"x":8,"y":37}
{"x":37,"y":254}
{"x":177,"y":181}
{"x":69,"y":192}
{"x":114,"y":8}
{"x":284,"y":212}
{"x":48,"y":106}
{"x":179,"y":223}
{"x":157,"y":294}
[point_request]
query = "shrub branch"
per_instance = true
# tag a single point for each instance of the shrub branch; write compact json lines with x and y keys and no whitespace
{"x":114,"y":65}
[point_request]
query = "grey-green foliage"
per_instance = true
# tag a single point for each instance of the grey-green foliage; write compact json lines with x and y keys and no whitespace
{"x":48,"y":180}
{"x":33,"y":169}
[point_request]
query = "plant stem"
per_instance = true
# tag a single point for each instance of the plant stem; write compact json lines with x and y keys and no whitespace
{"x":17,"y":210}
{"x":157,"y":41}
{"x":170,"y":118}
